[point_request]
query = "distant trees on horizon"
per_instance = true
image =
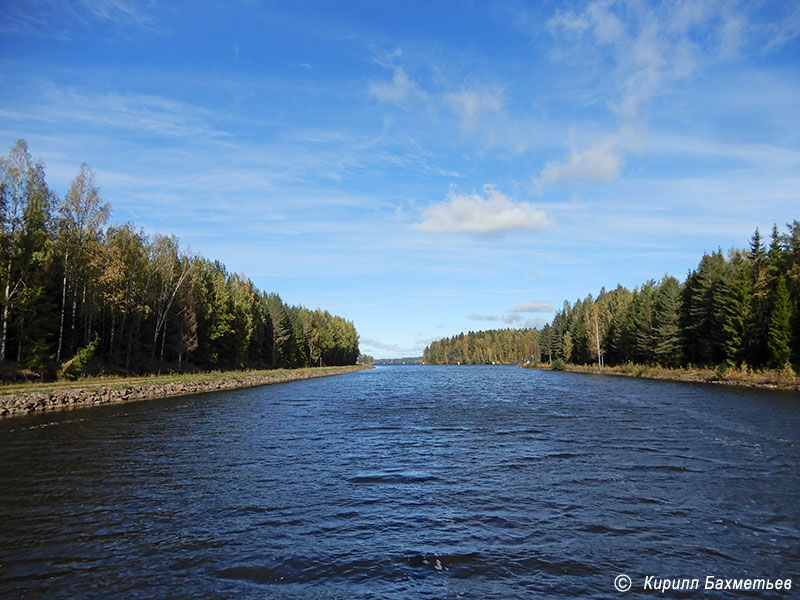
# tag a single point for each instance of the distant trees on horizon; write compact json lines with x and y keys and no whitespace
{"x":740,"y":309}
{"x":69,"y":281}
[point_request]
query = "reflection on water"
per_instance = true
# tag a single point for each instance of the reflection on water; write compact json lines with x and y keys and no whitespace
{"x":406,"y":481}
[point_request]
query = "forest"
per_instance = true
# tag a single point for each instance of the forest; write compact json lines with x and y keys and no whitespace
{"x":79,"y":294}
{"x":737,"y":309}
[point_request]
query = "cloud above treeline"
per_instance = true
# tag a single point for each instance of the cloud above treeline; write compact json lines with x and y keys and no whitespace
{"x":519,"y":314}
{"x":534,"y":306}
{"x":489,"y":213}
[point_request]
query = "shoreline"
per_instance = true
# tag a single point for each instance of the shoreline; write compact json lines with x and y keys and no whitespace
{"x":763,"y":380}
{"x":17,"y":400}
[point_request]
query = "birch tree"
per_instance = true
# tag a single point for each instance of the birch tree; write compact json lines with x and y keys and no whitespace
{"x":82,"y":216}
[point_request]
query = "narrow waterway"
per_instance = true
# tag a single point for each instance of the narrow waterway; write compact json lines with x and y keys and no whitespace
{"x":404,"y":482}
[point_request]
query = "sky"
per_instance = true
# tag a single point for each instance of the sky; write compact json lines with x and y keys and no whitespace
{"x":420,"y":168}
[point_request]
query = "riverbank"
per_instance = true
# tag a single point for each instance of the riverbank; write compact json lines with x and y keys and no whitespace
{"x":784,"y":379}
{"x":17,"y":399}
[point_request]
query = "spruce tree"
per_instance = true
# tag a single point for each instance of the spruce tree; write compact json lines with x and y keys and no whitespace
{"x":779,"y":336}
{"x":737,"y":313}
{"x":666,"y":323}
{"x":758,"y":315}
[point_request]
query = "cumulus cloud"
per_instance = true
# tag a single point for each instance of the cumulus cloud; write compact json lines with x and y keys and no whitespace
{"x":486,"y":214}
{"x":599,"y":163}
{"x":400,"y":90}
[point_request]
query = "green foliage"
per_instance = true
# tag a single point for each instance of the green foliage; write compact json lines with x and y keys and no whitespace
{"x":558,"y":365}
{"x":743,"y":309}
{"x":73,"y":368}
{"x":68,"y":281}
{"x":501,"y":346}
{"x":667,"y":350}
{"x":779,"y":335}
{"x":365,"y":359}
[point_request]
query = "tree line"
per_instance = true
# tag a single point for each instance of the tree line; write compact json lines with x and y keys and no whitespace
{"x":496,"y":346}
{"x":73,"y":286}
{"x":739,"y":309}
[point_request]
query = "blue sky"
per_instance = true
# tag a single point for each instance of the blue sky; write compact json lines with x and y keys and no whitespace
{"x":421,"y":168}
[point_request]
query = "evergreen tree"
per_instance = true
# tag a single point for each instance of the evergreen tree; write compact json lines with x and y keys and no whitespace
{"x":758,"y":315}
{"x":780,"y":333}
{"x":705,"y":301}
{"x":737,"y":312}
{"x":667,"y":349}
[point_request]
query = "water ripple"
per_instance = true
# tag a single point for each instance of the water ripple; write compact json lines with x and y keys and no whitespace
{"x":402,"y":482}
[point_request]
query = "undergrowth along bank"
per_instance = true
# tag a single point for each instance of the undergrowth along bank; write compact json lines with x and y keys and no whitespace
{"x":783,"y":379}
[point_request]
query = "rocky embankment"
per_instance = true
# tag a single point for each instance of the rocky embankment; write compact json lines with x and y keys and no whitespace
{"x":24,"y":402}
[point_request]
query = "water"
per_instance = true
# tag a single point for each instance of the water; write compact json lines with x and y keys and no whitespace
{"x":404,"y":482}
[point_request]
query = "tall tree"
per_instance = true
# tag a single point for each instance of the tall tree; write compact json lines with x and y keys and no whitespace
{"x":82,"y":216}
{"x":705,"y":310}
{"x":758,"y":323}
{"x":737,"y":311}
{"x":666,"y":323}
{"x":25,"y":204}
{"x":779,"y":337}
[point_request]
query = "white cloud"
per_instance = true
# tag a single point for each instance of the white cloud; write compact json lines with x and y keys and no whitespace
{"x":400,"y":90}
{"x":472,"y":105}
{"x":490,"y":213}
{"x":599,"y":163}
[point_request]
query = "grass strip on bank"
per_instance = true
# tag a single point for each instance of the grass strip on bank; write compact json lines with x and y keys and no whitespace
{"x":781,"y":379}
{"x":23,"y":398}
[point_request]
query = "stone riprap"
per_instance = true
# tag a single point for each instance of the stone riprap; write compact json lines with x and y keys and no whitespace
{"x":115,"y":393}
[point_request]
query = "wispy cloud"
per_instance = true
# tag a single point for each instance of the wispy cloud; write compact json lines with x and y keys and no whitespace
{"x":645,"y":50}
{"x":401,"y":90}
{"x":472,"y":105}
{"x":598,"y":163}
{"x":61,"y":20}
{"x":634,"y":54}
{"x":489,"y":318}
{"x":392,"y":350}
{"x":510,"y":319}
{"x":488,"y":214}
{"x":123,"y":111}
{"x":534,"y":306}
{"x":783,"y":31}
{"x":517,"y":315}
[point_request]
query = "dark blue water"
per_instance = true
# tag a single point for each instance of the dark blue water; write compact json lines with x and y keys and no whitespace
{"x":404,"y":482}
